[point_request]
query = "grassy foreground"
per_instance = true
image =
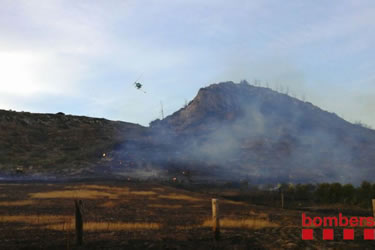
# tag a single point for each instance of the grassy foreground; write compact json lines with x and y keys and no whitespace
{"x":144,"y":216}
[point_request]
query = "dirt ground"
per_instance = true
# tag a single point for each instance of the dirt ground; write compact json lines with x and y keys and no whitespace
{"x":127,"y":215}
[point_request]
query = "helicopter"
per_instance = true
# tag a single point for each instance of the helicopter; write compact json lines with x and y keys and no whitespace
{"x":139,"y":85}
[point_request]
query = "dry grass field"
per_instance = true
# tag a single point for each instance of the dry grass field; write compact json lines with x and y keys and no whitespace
{"x":145,"y":216}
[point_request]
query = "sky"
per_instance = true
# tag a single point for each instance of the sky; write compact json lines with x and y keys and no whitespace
{"x":82,"y":57}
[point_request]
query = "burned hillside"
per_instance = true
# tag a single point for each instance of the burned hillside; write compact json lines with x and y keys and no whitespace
{"x":262,"y":135}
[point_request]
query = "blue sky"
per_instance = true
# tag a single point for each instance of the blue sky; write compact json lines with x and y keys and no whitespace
{"x":81,"y":57}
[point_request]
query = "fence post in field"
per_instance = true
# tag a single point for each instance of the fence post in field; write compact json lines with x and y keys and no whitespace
{"x":373,"y":207}
{"x":79,"y":222}
{"x":216,"y":218}
{"x":282,"y":199}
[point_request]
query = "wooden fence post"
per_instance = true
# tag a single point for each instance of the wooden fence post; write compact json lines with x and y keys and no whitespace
{"x":216,"y":218}
{"x":282,"y":199}
{"x":79,"y":222}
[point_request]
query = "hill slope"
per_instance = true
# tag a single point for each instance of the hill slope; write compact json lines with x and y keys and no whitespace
{"x":58,"y":143}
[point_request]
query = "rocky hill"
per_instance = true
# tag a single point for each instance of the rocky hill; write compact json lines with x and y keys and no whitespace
{"x":228,"y":131}
{"x":257,"y":133}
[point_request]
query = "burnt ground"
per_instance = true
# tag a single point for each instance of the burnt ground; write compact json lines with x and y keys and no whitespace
{"x":40,"y":216}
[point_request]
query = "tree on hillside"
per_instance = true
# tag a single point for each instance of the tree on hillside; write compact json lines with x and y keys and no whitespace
{"x":335,"y":192}
{"x":348,"y":194}
{"x":365,"y":194}
{"x":322,"y":193}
